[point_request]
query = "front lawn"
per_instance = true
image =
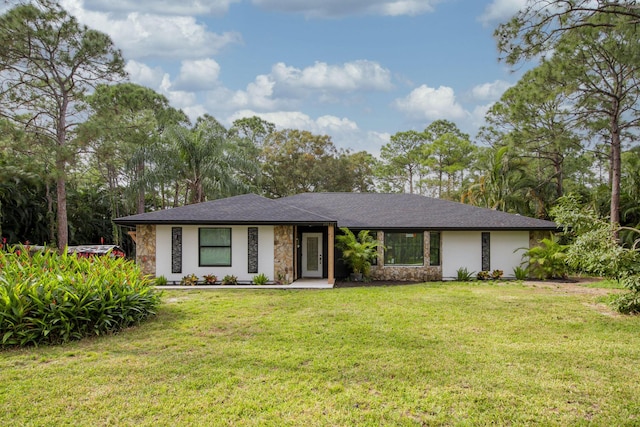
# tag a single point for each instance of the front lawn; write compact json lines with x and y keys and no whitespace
{"x":429,"y":354}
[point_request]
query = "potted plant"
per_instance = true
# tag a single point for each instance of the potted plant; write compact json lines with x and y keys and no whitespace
{"x":357,"y":251}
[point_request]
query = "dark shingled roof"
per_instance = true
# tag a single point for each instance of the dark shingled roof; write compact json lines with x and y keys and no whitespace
{"x":378,"y":211}
{"x":245,"y":209}
{"x":352,"y":210}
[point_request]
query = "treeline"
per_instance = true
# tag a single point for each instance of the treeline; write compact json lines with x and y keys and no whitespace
{"x":80,"y":146}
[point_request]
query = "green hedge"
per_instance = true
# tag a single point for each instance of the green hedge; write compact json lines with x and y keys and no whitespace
{"x":51,"y":298}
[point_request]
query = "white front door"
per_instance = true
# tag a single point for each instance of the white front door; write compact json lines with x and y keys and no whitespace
{"x":311,"y":254}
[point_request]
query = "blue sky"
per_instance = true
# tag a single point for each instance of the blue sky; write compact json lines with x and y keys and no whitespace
{"x":357,"y":70}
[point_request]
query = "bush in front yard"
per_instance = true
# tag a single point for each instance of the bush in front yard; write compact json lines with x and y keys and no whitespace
{"x":51,"y":298}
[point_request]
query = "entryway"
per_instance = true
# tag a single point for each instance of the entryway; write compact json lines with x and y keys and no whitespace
{"x":312,"y":255}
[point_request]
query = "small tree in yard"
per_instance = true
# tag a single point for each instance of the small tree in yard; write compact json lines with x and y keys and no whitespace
{"x":548,"y":261}
{"x":596,"y":251}
{"x":358,"y":251}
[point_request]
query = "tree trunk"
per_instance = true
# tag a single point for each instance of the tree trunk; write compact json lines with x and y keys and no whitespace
{"x":61,"y":190}
{"x":51,"y":218}
{"x":61,"y":172}
{"x":410,"y":180}
{"x":557,"y":164}
{"x":616,"y":171}
{"x":140,"y":172}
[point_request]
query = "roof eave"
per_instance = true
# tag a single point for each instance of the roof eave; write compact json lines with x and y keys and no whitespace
{"x":450,"y":228}
{"x":204,"y":222}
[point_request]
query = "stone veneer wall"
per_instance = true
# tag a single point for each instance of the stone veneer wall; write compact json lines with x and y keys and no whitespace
{"x":283,"y":245}
{"x":146,"y":248}
{"x":406,"y":273}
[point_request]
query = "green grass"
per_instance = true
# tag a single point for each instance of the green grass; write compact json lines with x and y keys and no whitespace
{"x":434,"y":354}
{"x":603,"y":284}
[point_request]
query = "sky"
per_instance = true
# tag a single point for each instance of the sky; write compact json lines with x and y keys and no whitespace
{"x":357,"y":70}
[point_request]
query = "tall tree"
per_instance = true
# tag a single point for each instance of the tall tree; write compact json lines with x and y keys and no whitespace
{"x":630,"y":192}
{"x":126,"y":122}
{"x":358,"y":171}
{"x":448,"y":155}
{"x":602,"y":68}
{"x":536,"y":28}
{"x":298,"y":161}
{"x":254,"y":128}
{"x":501,"y":183}
{"x":23,"y":203}
{"x":596,"y":46}
{"x":210,"y":159}
{"x":534,"y":120}
{"x":402,"y":161}
{"x":48,"y":62}
{"x":252,"y":133}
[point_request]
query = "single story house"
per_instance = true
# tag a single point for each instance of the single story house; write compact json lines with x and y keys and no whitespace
{"x":294,"y":237}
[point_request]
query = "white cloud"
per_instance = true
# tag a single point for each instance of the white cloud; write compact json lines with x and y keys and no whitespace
{"x":478,"y":115}
{"x":144,"y":75}
{"x":429,"y":103}
{"x":298,"y":120}
{"x":142,"y":35}
{"x":350,"y":76}
{"x":177,"y":98}
{"x":285,"y":85}
{"x":195,"y":111}
{"x":490,"y":91}
{"x":339,"y":8}
{"x":257,"y":95}
{"x":344,"y":132}
{"x":373,"y":142}
{"x":403,"y":7}
{"x":160,"y":81}
{"x":163,"y":7}
{"x":196,"y":75}
{"x":333,"y":123}
{"x":500,"y":11}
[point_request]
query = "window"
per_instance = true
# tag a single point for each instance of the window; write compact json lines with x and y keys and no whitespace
{"x":215,"y":247}
{"x":403,"y":249}
{"x":486,"y":251}
{"x":252,"y":261}
{"x":434,"y":248}
{"x":176,"y":249}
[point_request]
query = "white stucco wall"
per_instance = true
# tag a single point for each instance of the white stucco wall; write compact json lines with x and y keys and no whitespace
{"x":503,"y":245}
{"x":239,"y":253}
{"x":460,"y":249}
{"x":464,"y":249}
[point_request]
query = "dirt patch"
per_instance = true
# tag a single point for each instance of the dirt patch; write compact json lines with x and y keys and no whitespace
{"x":572,"y":286}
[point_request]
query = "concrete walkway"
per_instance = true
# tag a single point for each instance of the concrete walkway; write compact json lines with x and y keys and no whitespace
{"x":298,"y":284}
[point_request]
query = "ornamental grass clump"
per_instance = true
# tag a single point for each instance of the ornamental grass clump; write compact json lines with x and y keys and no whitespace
{"x":46,"y":298}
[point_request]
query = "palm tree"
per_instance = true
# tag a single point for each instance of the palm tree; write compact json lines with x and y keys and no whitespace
{"x":498,"y":188}
{"x":210,"y":160}
{"x":358,"y":251}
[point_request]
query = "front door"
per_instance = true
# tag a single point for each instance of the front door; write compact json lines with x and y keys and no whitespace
{"x":311,"y":254}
